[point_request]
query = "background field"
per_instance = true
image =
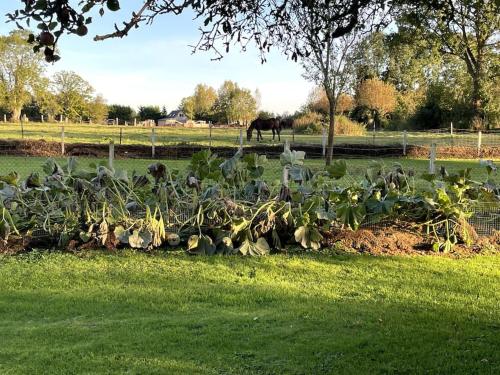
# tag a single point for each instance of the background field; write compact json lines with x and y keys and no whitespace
{"x":301,"y":314}
{"x":77,"y":133}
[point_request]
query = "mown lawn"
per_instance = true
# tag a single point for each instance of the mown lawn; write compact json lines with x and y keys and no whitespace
{"x":283,"y":314}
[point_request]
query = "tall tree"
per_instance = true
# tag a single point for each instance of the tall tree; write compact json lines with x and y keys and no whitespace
{"x":46,"y":99}
{"x":204,"y":99}
{"x":469,"y":30}
{"x":378,"y":96}
{"x":151,"y":112}
{"x":122,"y":112}
{"x":318,"y":28}
{"x":73,"y":95}
{"x":20,"y":71}
{"x":98,"y":109}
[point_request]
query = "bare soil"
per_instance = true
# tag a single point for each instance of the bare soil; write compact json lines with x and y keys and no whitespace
{"x":399,"y":239}
{"x":47,"y":149}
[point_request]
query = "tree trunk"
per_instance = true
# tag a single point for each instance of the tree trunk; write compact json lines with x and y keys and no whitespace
{"x":331,"y":129}
{"x":16,"y":115}
{"x":477,"y":103}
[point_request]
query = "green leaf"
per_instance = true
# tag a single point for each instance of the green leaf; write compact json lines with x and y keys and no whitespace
{"x":338,"y":169}
{"x":255,"y":164}
{"x":122,"y":234}
{"x":12,"y":178}
{"x":350,"y":215}
{"x":50,"y":167}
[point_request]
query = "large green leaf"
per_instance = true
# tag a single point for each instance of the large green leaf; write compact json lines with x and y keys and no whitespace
{"x":255,"y":164}
{"x":50,"y":167}
{"x":350,"y":215}
{"x":338,"y":169}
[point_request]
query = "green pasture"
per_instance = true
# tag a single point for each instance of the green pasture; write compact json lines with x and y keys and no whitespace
{"x":284,"y":314}
{"x":85,"y":133}
{"x":356,"y":167}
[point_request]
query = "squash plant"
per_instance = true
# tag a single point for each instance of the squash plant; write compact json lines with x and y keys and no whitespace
{"x":218,"y":206}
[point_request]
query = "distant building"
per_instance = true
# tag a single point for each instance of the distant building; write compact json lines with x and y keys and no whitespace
{"x":174,"y":118}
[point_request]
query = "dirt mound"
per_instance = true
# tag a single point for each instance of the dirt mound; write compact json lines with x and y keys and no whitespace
{"x":398,"y":239}
{"x":458,"y":152}
{"x":182,"y":151}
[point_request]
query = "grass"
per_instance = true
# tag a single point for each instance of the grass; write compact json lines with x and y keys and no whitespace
{"x":283,"y":314}
{"x":77,"y":133}
{"x":356,"y":167}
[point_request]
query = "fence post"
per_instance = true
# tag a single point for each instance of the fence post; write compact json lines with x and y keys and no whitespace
{"x":111,"y":153}
{"x":405,"y":141}
{"x":293,"y":133}
{"x":323,"y":142}
{"x":153,"y":139}
{"x":432,"y":159}
{"x":135,"y":121}
{"x":452,"y":141}
{"x":121,"y":135}
{"x":116,"y":121}
{"x":22,"y":128}
{"x":4,"y":117}
{"x":285,"y":176}
{"x":287,"y":145}
{"x":241,"y":139}
{"x":62,"y":140}
{"x":373,"y":131}
{"x":210,"y":133}
{"x":479,"y":139}
{"x":42,"y":118}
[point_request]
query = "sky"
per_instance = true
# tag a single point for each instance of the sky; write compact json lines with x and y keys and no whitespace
{"x":154,"y":65}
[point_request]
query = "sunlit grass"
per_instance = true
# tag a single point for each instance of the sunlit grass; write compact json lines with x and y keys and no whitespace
{"x":78,"y":133}
{"x":302,"y":314}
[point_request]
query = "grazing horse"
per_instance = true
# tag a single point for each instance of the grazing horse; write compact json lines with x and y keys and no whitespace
{"x":259,"y":124}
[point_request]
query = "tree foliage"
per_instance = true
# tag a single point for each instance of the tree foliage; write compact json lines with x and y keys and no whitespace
{"x":74,"y":94}
{"x":20,"y":72}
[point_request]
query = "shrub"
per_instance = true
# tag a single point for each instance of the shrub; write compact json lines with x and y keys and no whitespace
{"x":313,"y":123}
{"x":345,"y":126}
{"x":309,"y":123}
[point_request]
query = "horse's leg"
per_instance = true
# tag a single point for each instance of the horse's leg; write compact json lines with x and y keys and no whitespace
{"x":273,"y":133}
{"x":279,"y":137}
{"x":259,"y":135}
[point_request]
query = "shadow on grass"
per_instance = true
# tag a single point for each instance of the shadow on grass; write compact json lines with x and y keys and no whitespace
{"x":294,"y":315}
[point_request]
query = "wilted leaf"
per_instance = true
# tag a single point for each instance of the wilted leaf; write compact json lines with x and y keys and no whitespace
{"x":140,"y":239}
{"x":201,"y":245}
{"x":248,"y":247}
{"x":308,"y":237}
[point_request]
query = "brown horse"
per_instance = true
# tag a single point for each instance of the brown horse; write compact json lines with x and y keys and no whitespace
{"x":259,"y":125}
